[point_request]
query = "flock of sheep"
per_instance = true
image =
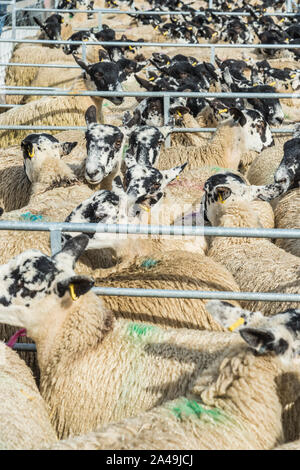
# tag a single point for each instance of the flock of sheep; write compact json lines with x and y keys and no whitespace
{"x":138,"y":373}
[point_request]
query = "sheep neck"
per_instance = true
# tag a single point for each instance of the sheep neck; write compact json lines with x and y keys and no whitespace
{"x":246,"y":390}
{"x":83,"y":84}
{"x":52,"y":173}
{"x":70,"y":330}
{"x":230,"y":144}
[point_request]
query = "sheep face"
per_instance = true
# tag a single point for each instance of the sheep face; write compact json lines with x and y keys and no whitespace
{"x":145,"y":143}
{"x":279,"y":334}
{"x":104,"y":151}
{"x":144,"y":184}
{"x":78,"y":36}
{"x":224,"y":188}
{"x":288,"y":172}
{"x":51,"y":27}
{"x":255,"y":131}
{"x":39,"y":147}
{"x":33,"y":283}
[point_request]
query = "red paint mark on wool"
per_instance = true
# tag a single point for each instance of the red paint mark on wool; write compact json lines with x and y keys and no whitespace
{"x":12,"y":341}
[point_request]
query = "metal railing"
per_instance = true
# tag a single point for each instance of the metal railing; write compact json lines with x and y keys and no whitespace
{"x":56,"y":229}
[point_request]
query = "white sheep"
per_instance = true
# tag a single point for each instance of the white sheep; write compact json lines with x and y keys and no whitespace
{"x":236,"y":404}
{"x":64,"y":110}
{"x":232,"y":138}
{"x":41,"y":154}
{"x":24,"y":416}
{"x":79,"y":343}
{"x":230,"y":202}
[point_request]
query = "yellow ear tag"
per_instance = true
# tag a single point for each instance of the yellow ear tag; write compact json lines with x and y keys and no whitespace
{"x":177,"y":177}
{"x":130,"y":48}
{"x":255,"y":84}
{"x":213,"y":35}
{"x":294,"y":75}
{"x":145,"y":208}
{"x":194,"y":63}
{"x":151,"y":79}
{"x":62,"y":20}
{"x":209,"y":18}
{"x":287,"y":40}
{"x":165,"y":33}
{"x":156,"y":27}
{"x":179,"y":114}
{"x":31,"y":154}
{"x":85,"y":39}
{"x":221,"y":111}
{"x":189,"y":29}
{"x":272,"y":83}
{"x":235,"y":325}
{"x":168,"y":63}
{"x":281,"y":21}
{"x":72,"y":292}
{"x":220,"y":198}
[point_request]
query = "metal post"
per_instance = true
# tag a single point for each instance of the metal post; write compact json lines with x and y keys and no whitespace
{"x":212,"y":55}
{"x":210,"y":4}
{"x":288,"y":6}
{"x":55,"y":241}
{"x":167,"y":119}
{"x":99,"y":20}
{"x":84,"y":52}
{"x":13,"y":19}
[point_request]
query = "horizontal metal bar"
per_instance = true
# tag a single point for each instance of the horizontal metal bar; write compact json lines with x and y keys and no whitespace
{"x":160,"y":94}
{"x":20,"y":64}
{"x":110,"y":11}
{"x":28,"y":347}
{"x":150,"y":229}
{"x":155,"y":44}
{"x":83,"y":128}
{"x":196,"y":294}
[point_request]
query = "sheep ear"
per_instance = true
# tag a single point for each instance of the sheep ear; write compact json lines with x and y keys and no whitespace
{"x":132,"y":121}
{"x":91,"y":115}
{"x":72,"y":250}
{"x":67,"y":147}
{"x":223,"y":193}
{"x":144,"y":83}
{"x":260,"y":340}
{"x":78,"y":285}
{"x":229,"y":316}
{"x":238,"y":116}
{"x":178,"y":110}
{"x":84,"y":65}
{"x":170,"y":175}
{"x":117,"y":186}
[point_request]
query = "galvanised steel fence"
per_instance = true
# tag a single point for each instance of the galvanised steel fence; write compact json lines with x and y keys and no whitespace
{"x":56,"y":229}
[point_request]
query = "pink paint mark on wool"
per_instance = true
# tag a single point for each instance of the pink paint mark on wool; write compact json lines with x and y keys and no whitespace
{"x":12,"y":341}
{"x":187,"y":183}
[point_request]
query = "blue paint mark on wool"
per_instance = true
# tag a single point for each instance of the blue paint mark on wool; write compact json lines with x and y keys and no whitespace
{"x":149,"y":263}
{"x":29,"y":217}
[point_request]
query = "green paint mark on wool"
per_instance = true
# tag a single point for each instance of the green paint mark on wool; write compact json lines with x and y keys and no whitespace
{"x":105,"y":104}
{"x":218,"y":168}
{"x":149,"y":263}
{"x":29,"y":217}
{"x":186,"y":408}
{"x":139,"y":330}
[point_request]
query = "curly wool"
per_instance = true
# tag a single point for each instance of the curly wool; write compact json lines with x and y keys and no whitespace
{"x":287,"y":216}
{"x":24,"y":418}
{"x":174,"y":270}
{"x":257,"y":265}
{"x":236,"y":404}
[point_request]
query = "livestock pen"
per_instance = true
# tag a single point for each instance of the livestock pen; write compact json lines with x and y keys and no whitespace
{"x":16,"y":34}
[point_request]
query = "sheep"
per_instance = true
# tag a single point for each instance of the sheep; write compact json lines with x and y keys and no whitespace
{"x":16,"y":180}
{"x":236,"y":404}
{"x":75,"y":333}
{"x":287,"y":217}
{"x":65,"y":110}
{"x":230,"y":202}
{"x":295,"y":445}
{"x":168,"y":270}
{"x":31,"y":54}
{"x":232,"y":138}
{"x":24,"y":418}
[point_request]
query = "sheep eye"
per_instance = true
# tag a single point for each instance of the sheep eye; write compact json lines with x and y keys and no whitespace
{"x":118,"y":144}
